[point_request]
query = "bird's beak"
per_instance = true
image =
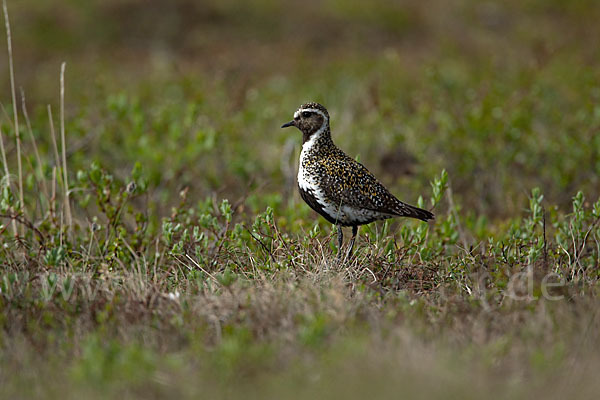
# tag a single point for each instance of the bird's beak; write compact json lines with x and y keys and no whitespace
{"x":291,"y":123}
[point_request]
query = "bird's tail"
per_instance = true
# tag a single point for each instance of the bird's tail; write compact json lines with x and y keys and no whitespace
{"x":406,"y":210}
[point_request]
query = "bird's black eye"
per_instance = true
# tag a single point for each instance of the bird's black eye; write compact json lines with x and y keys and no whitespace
{"x":306,"y":114}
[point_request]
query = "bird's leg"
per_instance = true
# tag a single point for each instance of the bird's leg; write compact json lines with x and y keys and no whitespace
{"x":354,"y":232}
{"x":340,"y":240}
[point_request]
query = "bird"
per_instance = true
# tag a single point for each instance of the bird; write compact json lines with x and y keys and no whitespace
{"x":338,"y":187}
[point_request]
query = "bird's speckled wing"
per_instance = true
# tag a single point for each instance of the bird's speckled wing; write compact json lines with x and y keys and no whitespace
{"x":348,"y":183}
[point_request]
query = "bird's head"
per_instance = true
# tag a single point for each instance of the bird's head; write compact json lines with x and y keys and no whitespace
{"x":310,"y":118}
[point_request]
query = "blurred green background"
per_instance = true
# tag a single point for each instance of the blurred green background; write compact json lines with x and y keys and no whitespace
{"x":503,"y":95}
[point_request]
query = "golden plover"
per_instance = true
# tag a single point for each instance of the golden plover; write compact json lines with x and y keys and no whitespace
{"x":338,"y":187}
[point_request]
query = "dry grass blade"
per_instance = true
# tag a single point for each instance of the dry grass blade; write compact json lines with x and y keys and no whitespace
{"x":16,"y":116}
{"x":53,"y":198}
{"x":56,"y":161}
{"x":53,"y":136}
{"x":64,"y":146}
{"x":4,"y":162}
{"x":33,"y":142}
{"x":6,"y":175}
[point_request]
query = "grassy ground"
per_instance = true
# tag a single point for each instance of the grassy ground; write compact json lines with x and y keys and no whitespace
{"x":185,"y":264}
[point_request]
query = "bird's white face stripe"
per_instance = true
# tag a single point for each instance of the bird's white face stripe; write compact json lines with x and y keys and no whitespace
{"x":314,"y":110}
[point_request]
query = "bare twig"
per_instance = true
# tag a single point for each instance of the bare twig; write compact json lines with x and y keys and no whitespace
{"x":20,"y":219}
{"x":387,"y":270}
{"x":585,"y":239}
{"x":265,"y":248}
{"x":197,"y":265}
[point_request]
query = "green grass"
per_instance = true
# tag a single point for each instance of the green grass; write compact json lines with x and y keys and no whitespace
{"x":192,"y":267}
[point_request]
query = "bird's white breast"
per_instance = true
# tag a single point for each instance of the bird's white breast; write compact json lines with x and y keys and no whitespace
{"x":305,"y":180}
{"x":310,"y":182}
